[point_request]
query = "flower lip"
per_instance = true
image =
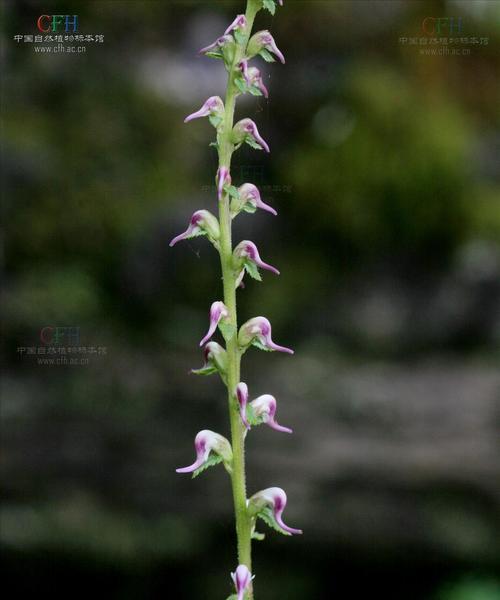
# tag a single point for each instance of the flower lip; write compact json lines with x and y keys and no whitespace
{"x":218,"y":311}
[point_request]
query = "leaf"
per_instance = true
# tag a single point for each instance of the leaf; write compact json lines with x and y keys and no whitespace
{"x":232,"y":191}
{"x":249,"y":208}
{"x":232,"y":597}
{"x":252,"y":418}
{"x":241,"y":85}
{"x":252,"y":270}
{"x":260,"y":346}
{"x":212,"y":460}
{"x":266,"y":514}
{"x":209,"y":370}
{"x":215,"y":120}
{"x":266,"y":55}
{"x":255,"y":91}
{"x":256,"y":535}
{"x":214,"y":54}
{"x":227,"y":329}
{"x":196,"y":234}
{"x":251,"y":142}
{"x":270,"y":5}
{"x":215,"y":145}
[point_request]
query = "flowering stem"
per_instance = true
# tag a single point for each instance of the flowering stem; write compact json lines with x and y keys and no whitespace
{"x":226,"y":149}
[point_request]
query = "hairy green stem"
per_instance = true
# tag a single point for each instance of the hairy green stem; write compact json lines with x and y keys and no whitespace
{"x":226,"y":149}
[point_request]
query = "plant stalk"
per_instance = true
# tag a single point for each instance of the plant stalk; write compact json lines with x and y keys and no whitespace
{"x":226,"y":149}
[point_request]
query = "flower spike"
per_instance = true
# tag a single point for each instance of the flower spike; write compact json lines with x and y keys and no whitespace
{"x":223,"y":180}
{"x":242,"y":579}
{"x":201,"y":223}
{"x":275,"y":498}
{"x":218,"y":311}
{"x":242,"y":396}
{"x":263,"y":40}
{"x":237,"y":25}
{"x":257,"y":331}
{"x":207,"y":441}
{"x":265,"y":406}
{"x":246,"y":131}
{"x":213,"y":107}
{"x":249,"y":200}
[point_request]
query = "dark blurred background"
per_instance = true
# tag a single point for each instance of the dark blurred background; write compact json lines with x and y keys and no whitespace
{"x":385,"y":173}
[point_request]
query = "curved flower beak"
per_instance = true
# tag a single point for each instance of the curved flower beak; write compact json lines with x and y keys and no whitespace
{"x":274,"y":497}
{"x":214,"y":106}
{"x":265,"y":406}
{"x":223,"y":179}
{"x":238,"y":24}
{"x":218,"y":311}
{"x":201,"y":223}
{"x":250,"y":196}
{"x":255,"y":79}
{"x":263,"y":39}
{"x":247,"y":251}
{"x":242,"y":396}
{"x":207,"y":441}
{"x":257,"y":331}
{"x":242,"y":578}
{"x":246,"y":131}
{"x":215,"y":360}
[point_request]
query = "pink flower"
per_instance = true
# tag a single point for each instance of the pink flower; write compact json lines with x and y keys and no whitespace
{"x":242,"y":579}
{"x":250,"y":195}
{"x":207,"y":441}
{"x":257,"y":331}
{"x":215,"y":360}
{"x":201,"y":223}
{"x":265,"y":406}
{"x":238,"y":24}
{"x":242,"y":396}
{"x":263,"y":39}
{"x":274,"y":497}
{"x":218,"y":311}
{"x":214,"y":106}
{"x":246,"y":131}
{"x":253,"y":78}
{"x":247,"y":251}
{"x":217,"y":48}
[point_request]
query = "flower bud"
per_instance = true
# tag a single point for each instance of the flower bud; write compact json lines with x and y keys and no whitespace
{"x":249,"y":200}
{"x":246,"y":258}
{"x":257,"y":331}
{"x":265,"y":407}
{"x":242,"y":579}
{"x":223,"y":48}
{"x":246,"y":131}
{"x":242,"y":396}
{"x":263,"y":40}
{"x":223,"y":179}
{"x":215,"y":360}
{"x":207,"y":441}
{"x":213,"y":107}
{"x":202,"y":223}
{"x":218,"y":311}
{"x":238,"y":25}
{"x":275,"y":498}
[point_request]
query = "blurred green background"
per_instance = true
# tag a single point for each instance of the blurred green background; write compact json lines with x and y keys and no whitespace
{"x":385,"y":173}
